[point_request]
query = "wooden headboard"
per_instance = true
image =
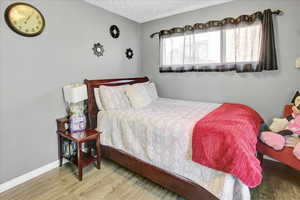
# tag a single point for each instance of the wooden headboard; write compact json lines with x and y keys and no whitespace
{"x":92,"y":109}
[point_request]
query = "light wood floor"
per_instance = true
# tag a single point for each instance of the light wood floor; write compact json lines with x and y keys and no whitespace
{"x":113,"y":182}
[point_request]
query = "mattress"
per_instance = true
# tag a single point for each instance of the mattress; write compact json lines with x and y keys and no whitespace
{"x":161,"y":134}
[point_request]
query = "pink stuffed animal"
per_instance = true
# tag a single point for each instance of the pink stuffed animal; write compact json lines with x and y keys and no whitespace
{"x":283,"y":129}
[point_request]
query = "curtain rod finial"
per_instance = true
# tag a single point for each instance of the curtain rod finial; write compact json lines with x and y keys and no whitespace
{"x":153,"y":34}
{"x":278,"y":12}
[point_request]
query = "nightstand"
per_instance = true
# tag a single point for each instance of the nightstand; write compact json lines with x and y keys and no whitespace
{"x":81,"y":156}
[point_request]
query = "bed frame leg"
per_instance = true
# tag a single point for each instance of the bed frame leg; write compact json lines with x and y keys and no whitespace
{"x":260,"y":157}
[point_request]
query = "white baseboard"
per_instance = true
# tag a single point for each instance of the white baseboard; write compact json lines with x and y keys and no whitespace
{"x":26,"y":177}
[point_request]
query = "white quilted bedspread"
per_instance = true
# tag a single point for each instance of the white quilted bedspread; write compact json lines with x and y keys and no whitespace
{"x":161,"y":134}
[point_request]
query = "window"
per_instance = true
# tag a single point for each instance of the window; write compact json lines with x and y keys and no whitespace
{"x":242,"y":44}
{"x":213,"y":48}
{"x":207,"y":47}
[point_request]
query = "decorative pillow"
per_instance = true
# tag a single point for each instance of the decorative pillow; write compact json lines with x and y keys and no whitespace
{"x":97,"y":98}
{"x":114,"y":97}
{"x":138,"y":95}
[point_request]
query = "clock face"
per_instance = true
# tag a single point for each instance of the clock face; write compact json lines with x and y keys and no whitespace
{"x":24,"y":19}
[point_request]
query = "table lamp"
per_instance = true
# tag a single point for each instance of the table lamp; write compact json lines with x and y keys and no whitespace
{"x":75,"y":95}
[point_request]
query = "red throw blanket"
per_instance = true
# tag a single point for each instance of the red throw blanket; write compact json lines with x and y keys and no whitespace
{"x":225,"y":140}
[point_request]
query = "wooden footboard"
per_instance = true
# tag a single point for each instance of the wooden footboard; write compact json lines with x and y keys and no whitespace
{"x":174,"y":183}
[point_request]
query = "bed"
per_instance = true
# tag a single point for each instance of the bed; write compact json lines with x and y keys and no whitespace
{"x":135,"y":139}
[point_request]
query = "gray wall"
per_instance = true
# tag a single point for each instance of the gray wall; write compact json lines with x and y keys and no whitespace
{"x":267,"y":92}
{"x":33,"y":70}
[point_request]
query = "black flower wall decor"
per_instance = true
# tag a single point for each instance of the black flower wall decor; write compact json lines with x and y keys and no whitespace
{"x":129,"y":53}
{"x":98,"y":49}
{"x":114,"y":31}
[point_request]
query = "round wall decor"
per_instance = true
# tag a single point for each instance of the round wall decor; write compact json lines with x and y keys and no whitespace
{"x":129,"y":53}
{"x":114,"y":31}
{"x":98,"y":49}
{"x":24,"y":19}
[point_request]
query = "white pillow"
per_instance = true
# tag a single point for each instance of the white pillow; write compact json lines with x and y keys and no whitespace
{"x":97,"y":98}
{"x":114,"y":97}
{"x":138,"y":95}
{"x":151,"y":89}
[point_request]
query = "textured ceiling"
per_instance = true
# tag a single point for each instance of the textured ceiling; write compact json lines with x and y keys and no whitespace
{"x":146,"y":10}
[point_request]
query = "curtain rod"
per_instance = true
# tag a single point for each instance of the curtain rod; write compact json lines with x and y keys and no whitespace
{"x":275,"y":12}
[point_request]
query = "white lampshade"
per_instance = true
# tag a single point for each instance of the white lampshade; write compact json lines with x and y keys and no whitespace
{"x":75,"y":93}
{"x":298,"y":63}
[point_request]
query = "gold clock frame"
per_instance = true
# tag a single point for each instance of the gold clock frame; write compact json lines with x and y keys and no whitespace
{"x":9,"y":23}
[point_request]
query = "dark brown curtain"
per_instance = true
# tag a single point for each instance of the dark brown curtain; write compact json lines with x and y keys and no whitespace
{"x":268,"y":57}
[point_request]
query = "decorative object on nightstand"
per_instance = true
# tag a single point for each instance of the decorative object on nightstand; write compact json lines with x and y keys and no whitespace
{"x":80,"y":158}
{"x":98,"y":49}
{"x":75,"y":95}
{"x":298,"y":63}
{"x":129,"y":53}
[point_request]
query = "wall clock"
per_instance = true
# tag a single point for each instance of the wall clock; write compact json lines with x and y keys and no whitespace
{"x":129,"y":53}
{"x":24,"y":19}
{"x":98,"y":49}
{"x":114,"y":31}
